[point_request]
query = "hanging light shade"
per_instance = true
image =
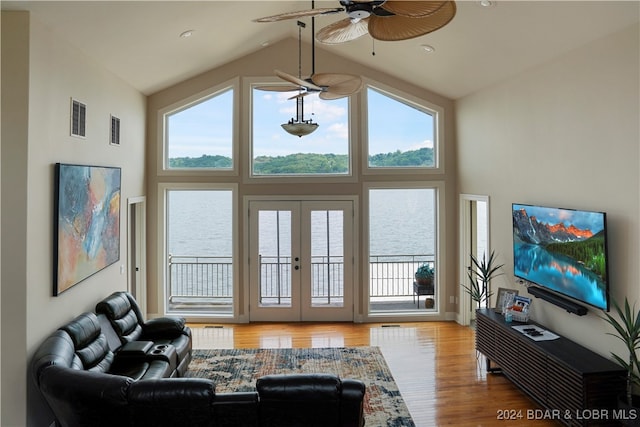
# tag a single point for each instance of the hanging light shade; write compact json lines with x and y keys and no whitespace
{"x":300,"y":129}
{"x":299,"y":126}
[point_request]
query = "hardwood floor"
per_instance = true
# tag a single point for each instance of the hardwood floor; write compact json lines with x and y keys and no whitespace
{"x":441,"y":377}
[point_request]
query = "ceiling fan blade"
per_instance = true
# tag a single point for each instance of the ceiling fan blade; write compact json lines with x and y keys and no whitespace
{"x":280,"y":88}
{"x":340,"y":84}
{"x":394,"y":28}
{"x":343,"y":31}
{"x":413,"y":9}
{"x":328,"y":96}
{"x":299,"y":14}
{"x":296,"y":81}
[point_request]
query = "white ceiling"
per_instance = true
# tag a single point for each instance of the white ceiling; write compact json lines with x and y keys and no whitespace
{"x":139,"y":40}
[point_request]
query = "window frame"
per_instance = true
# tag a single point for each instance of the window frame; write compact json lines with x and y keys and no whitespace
{"x":353,"y":105}
{"x":439,"y":246}
{"x":162,"y":232}
{"x":412,"y":101}
{"x":186,"y":103}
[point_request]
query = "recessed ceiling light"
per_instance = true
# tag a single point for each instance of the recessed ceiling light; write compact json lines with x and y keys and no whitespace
{"x":487,"y":3}
{"x":427,"y":48}
{"x":265,"y":43}
{"x":186,"y":34}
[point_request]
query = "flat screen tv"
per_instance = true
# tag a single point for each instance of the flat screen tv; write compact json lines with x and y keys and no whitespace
{"x":562,"y":250}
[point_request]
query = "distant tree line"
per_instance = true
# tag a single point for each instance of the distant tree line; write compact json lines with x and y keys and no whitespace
{"x":203,"y":161}
{"x":309,"y":163}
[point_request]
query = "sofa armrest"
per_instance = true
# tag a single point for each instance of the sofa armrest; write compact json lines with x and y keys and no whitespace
{"x":163,"y":327}
{"x":172,"y":401}
{"x":136,"y":349}
{"x":352,"y":407}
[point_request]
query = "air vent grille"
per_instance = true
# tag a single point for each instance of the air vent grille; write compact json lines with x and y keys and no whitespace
{"x":115,"y":131}
{"x":78,"y":118}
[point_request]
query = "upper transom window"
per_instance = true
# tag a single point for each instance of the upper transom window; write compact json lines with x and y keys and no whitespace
{"x":275,"y":152}
{"x":200,"y":135}
{"x":401,"y":134}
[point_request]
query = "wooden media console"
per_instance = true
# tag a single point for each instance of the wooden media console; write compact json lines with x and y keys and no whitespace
{"x":580,"y":387}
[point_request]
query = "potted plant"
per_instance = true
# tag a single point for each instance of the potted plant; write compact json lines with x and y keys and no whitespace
{"x":480,"y":275}
{"x":627,"y":329}
{"x":424,"y":275}
{"x":424,"y":278}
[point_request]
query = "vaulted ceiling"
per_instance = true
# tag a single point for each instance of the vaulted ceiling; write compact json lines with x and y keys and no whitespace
{"x":140,"y":40}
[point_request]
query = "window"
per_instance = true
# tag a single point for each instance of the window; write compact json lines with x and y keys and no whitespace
{"x":199,"y":242}
{"x":278,"y":153}
{"x":200,"y":135}
{"x":402,"y":236}
{"x":401,"y":134}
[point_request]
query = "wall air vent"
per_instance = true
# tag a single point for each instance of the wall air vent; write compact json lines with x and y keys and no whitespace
{"x":78,"y":119}
{"x":115,"y":131}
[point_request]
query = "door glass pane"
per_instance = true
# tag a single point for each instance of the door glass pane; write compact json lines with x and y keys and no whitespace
{"x":402,"y":226}
{"x":274,"y":248}
{"x":327,"y":259}
{"x":200,"y":250}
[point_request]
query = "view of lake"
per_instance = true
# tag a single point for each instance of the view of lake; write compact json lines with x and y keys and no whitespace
{"x":401,"y":222}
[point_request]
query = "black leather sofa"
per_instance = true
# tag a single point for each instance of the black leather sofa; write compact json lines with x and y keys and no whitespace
{"x":94,"y":371}
{"x":126,"y":319}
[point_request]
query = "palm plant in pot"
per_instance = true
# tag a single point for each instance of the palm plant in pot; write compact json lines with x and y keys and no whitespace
{"x":480,"y":275}
{"x":627,"y":329}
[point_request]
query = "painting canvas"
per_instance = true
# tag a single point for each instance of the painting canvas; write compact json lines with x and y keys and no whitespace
{"x":87,"y":222}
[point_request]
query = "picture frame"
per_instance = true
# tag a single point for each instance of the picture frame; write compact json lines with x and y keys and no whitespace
{"x":86,"y":222}
{"x":503,"y":294}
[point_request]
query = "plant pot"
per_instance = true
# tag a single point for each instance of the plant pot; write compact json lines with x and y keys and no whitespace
{"x":629,"y":415}
{"x":426,"y":284}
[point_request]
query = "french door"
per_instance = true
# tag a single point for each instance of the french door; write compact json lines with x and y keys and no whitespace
{"x":301,"y":260}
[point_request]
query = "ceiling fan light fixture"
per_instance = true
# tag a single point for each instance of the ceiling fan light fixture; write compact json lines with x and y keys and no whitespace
{"x":358,"y":11}
{"x":300,"y":129}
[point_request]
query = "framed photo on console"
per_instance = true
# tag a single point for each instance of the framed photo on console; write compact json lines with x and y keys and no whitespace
{"x":505,"y":296}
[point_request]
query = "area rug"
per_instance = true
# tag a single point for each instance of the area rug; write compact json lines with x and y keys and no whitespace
{"x":237,"y":370}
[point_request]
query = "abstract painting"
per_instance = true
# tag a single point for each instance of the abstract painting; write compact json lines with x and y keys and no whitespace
{"x":87,"y":222}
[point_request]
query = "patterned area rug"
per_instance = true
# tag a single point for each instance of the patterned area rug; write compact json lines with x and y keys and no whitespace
{"x":237,"y":370}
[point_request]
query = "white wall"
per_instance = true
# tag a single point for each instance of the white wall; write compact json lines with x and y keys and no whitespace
{"x":56,"y":72}
{"x":563,"y":134}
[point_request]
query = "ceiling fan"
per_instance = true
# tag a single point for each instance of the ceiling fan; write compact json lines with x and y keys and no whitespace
{"x":327,"y":85}
{"x":386,"y":20}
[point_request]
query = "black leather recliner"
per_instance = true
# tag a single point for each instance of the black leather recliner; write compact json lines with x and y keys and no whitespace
{"x":83,"y":391}
{"x":90,"y":379}
{"x":123,"y":312}
{"x":97,"y":397}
